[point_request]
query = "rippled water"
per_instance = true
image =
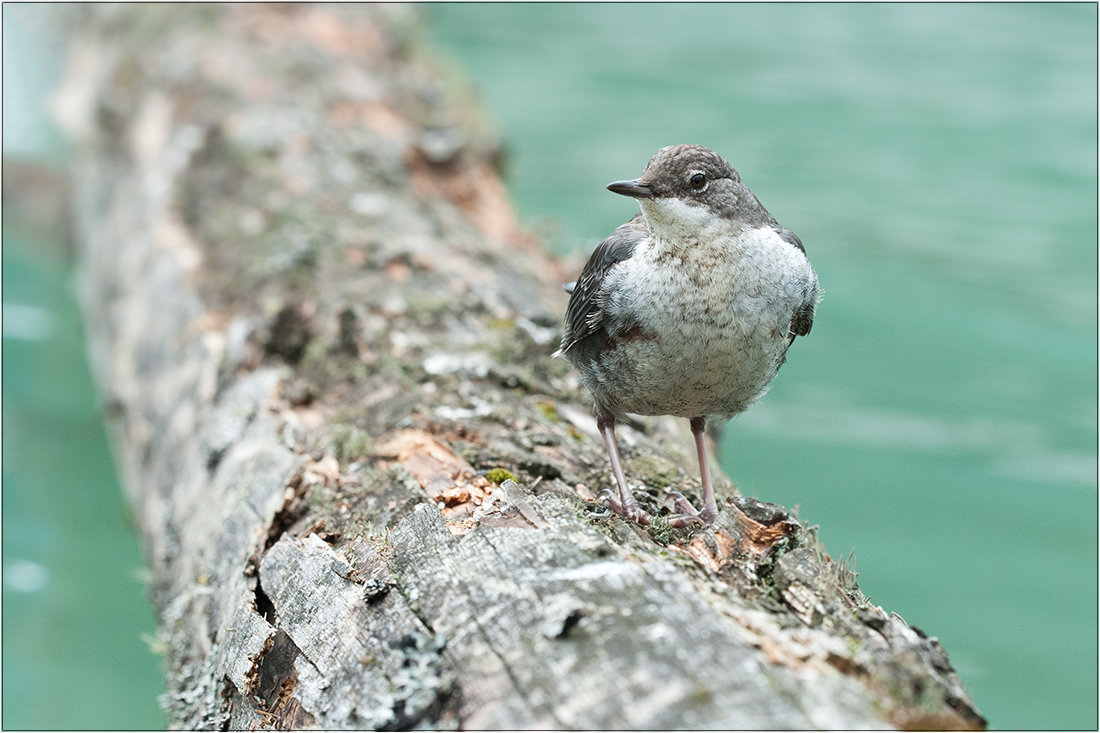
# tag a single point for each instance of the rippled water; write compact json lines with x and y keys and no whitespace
{"x":940,"y":164}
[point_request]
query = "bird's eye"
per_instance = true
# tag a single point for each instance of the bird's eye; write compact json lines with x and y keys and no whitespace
{"x":698,"y":181}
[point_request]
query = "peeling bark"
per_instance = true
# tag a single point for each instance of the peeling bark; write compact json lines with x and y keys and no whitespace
{"x":365,"y":489}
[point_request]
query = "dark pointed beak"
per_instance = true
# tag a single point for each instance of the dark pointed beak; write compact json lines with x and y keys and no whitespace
{"x":634,"y":188}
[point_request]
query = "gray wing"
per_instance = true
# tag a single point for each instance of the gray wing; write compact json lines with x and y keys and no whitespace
{"x":803,"y":318}
{"x":583,"y":317}
{"x":790,"y":237}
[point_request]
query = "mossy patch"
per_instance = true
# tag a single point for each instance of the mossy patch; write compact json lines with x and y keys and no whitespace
{"x":655,"y":472}
{"x":428,"y":309}
{"x":499,"y":475}
{"x":548,"y":409}
{"x":350,"y":442}
{"x":660,"y":531}
{"x":321,"y":501}
{"x":765,"y":569}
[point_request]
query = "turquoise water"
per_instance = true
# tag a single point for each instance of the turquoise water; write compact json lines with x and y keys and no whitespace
{"x":940,"y":164}
{"x":75,"y":610}
{"x":76,"y":620}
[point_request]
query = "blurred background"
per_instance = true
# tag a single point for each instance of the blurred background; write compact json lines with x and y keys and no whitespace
{"x":77,"y":626}
{"x":940,"y":164}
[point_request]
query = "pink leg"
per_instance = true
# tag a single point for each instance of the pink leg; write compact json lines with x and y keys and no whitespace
{"x":626,"y":505}
{"x":688,"y":515}
{"x":710,"y":506}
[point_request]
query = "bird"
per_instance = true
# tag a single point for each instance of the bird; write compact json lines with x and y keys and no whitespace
{"x":687,"y":310}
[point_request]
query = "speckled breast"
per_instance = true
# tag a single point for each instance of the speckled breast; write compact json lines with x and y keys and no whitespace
{"x":698,"y":334}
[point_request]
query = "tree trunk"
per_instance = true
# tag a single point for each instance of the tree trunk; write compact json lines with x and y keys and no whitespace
{"x":365,"y":488}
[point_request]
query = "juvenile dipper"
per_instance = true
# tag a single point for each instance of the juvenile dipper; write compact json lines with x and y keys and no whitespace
{"x":687,"y":309}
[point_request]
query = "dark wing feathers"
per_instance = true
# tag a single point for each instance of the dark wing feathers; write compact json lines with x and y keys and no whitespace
{"x":790,"y":238}
{"x":583,"y":317}
{"x":802,"y":320}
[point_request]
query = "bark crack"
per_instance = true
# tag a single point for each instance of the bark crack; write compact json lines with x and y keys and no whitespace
{"x":499,"y":655}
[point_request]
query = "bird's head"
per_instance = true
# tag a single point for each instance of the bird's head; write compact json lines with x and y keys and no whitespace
{"x":687,"y":189}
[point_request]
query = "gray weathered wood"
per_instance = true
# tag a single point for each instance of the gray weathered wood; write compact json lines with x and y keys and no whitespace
{"x":316,"y":327}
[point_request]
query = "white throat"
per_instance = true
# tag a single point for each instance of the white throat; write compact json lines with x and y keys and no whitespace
{"x":673,"y":220}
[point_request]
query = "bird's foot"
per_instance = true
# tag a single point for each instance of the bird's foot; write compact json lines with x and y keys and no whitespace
{"x":687,"y":515}
{"x":683,"y":506}
{"x":631,"y":509}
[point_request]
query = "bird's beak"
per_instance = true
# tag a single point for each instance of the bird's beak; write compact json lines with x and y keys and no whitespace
{"x":634,"y":188}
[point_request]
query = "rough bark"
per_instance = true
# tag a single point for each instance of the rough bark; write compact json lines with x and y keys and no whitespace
{"x":365,"y":489}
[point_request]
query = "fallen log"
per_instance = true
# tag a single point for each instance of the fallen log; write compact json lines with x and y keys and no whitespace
{"x":366,"y":491}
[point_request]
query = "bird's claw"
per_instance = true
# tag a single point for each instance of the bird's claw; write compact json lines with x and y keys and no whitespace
{"x":687,"y":515}
{"x":632,"y":510}
{"x":635,"y":513}
{"x":683,"y":506}
{"x":682,"y":521}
